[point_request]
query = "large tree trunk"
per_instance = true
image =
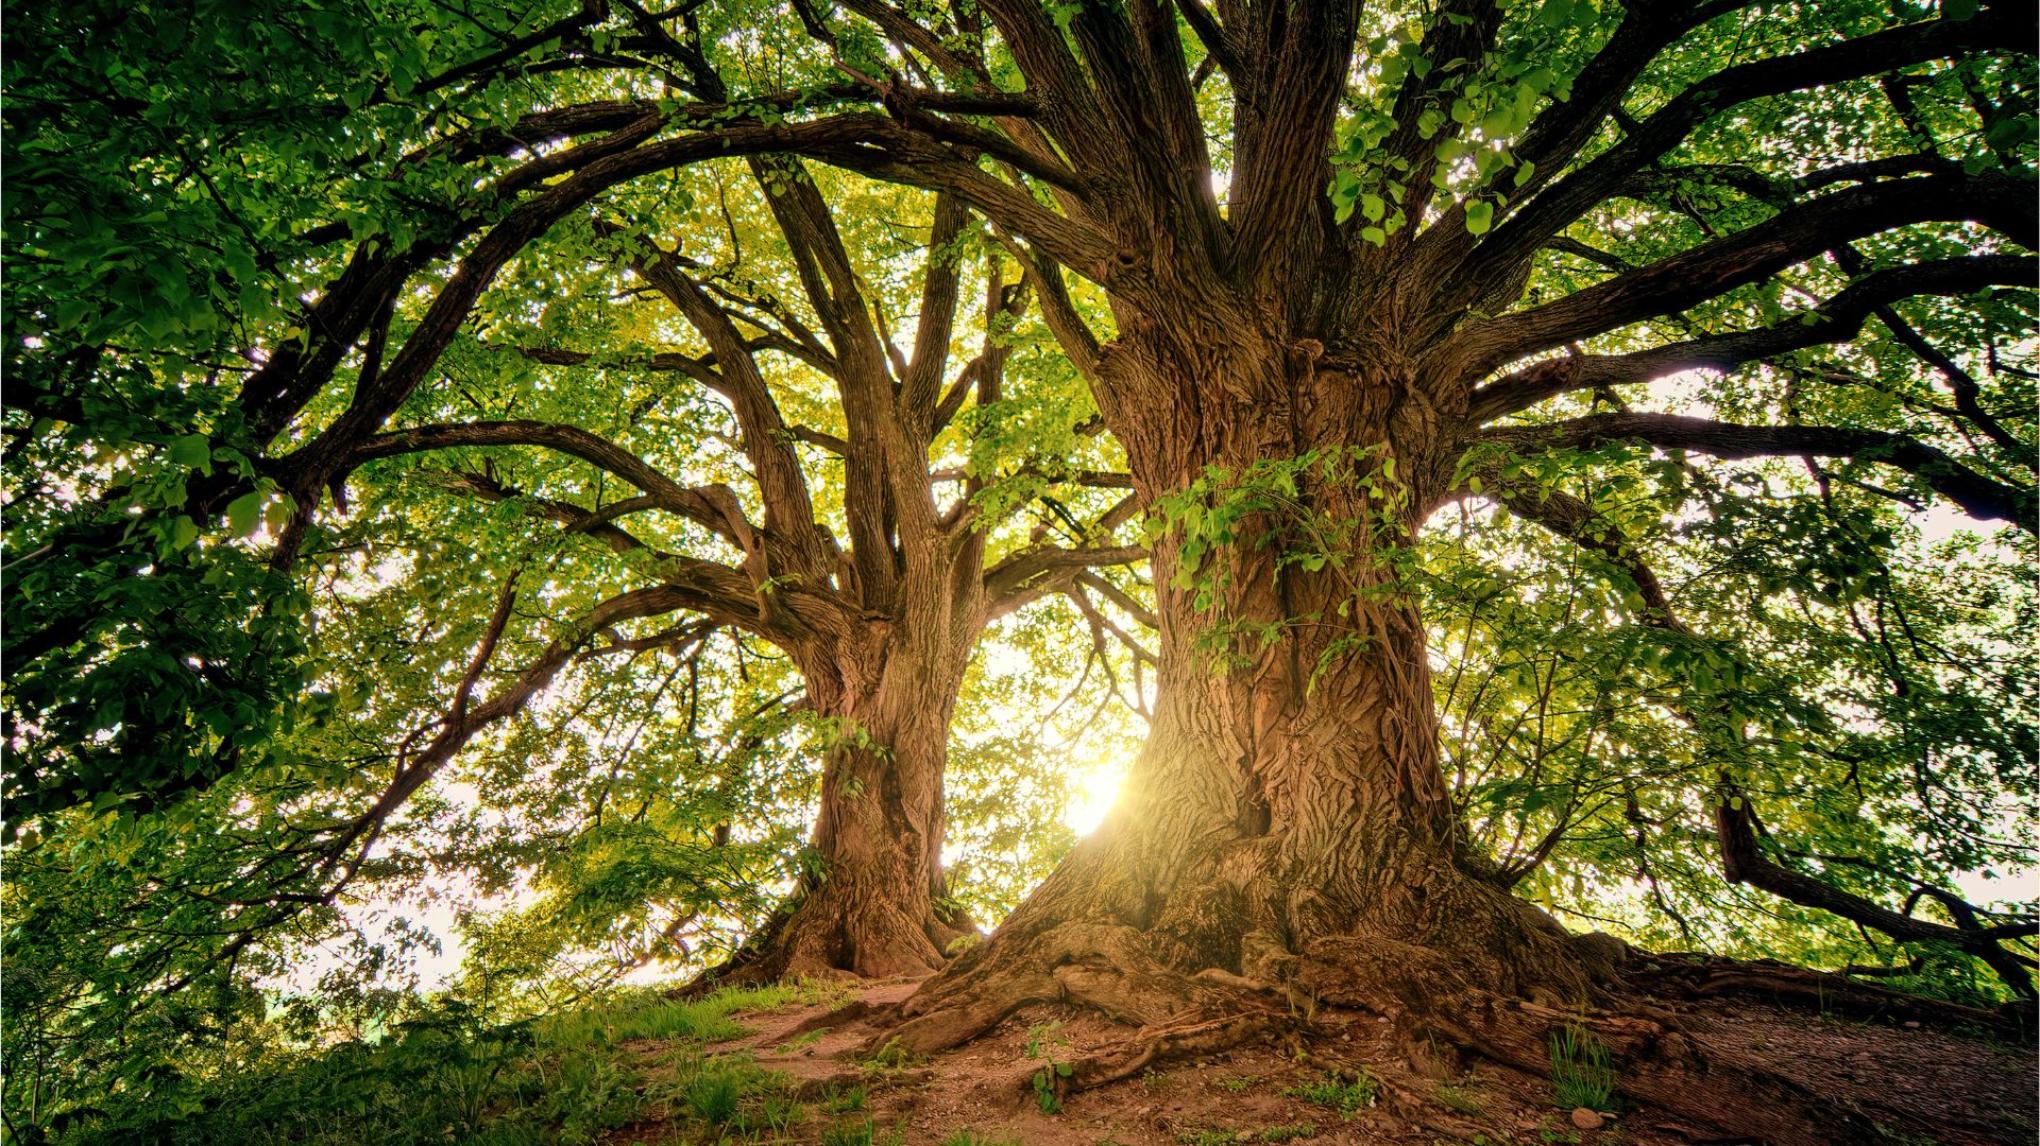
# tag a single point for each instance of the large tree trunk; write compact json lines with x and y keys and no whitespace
{"x":871,"y":903}
{"x":1287,"y":827}
{"x":1286,"y":836}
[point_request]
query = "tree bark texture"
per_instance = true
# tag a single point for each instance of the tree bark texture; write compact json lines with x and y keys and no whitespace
{"x":872,"y":904}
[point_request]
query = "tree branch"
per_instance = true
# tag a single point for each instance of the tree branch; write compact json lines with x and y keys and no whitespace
{"x":1839,"y":319}
{"x":1978,"y":496}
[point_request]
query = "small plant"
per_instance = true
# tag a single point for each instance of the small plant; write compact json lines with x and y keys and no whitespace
{"x":1206,"y":1136}
{"x":799,"y":1042}
{"x":1348,"y":1098}
{"x":1582,"y":1072}
{"x":776,"y":1113}
{"x":1288,"y":1132}
{"x":1047,"y":1078}
{"x":1457,"y":1099}
{"x":714,"y":1096}
{"x":843,"y":1101}
{"x":893,"y":1056}
{"x":862,"y":1132}
{"x":1238,"y":1084}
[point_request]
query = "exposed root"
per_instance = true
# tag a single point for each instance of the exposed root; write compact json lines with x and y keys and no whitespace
{"x":1438,"y":1010}
{"x":812,"y":936}
{"x":1700,"y":977}
{"x":1185,"y":1040}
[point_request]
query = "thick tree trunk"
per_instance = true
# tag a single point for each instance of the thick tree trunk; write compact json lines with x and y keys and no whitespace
{"x":1287,"y":828}
{"x":1286,"y":836}
{"x":872,"y":903}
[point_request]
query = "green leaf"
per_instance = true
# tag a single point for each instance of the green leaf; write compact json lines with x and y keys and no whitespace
{"x":194,"y":450}
{"x":244,"y":514}
{"x":1959,"y":9}
{"x":1480,"y":215}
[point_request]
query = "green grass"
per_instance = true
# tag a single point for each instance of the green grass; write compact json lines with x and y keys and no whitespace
{"x":714,"y":1097}
{"x":862,"y":1132}
{"x":843,"y":1101}
{"x":1238,"y":1084}
{"x":1457,"y":1099}
{"x":1348,"y":1098}
{"x":1288,"y":1132}
{"x":1582,"y":1071}
{"x":445,"y":1073}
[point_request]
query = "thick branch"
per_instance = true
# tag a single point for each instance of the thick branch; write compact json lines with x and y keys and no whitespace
{"x":1572,"y":197}
{"x":1794,"y":235}
{"x":1977,"y":495}
{"x":1839,"y":319}
{"x":715,"y":507}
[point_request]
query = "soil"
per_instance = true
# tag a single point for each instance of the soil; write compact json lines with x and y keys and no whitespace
{"x":1923,"y":1086}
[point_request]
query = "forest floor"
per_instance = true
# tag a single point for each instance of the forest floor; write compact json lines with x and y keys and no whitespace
{"x":1338,"y":1086}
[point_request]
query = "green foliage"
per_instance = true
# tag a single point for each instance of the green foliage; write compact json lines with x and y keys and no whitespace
{"x":448,"y":1071}
{"x":1582,"y":1070}
{"x":843,"y":1100}
{"x":1048,"y":1078}
{"x":1348,"y":1096}
{"x":713,"y":1097}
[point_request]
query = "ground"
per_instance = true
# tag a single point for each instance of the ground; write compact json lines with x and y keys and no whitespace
{"x":1337,"y":1084}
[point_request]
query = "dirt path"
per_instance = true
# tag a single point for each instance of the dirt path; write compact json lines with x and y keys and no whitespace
{"x":1923,"y":1086}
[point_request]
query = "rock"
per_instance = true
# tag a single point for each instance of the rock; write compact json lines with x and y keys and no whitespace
{"x":1587,"y":1119}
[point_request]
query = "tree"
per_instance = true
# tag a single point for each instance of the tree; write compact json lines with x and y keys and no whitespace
{"x":881,"y":626}
{"x":1295,"y":367}
{"x":882,"y":629}
{"x":1325,"y":270}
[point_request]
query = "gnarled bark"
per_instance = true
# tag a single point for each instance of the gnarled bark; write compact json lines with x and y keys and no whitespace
{"x":1287,"y":830}
{"x":871,"y":905}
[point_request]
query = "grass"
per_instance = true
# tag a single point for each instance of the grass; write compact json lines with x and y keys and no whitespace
{"x":448,"y":1073}
{"x":714,"y":1097}
{"x":1457,"y":1099}
{"x":893,"y":1056}
{"x":978,"y":1138}
{"x":1582,"y":1072}
{"x":1238,"y":1084}
{"x":1288,"y":1132}
{"x":799,"y":1042}
{"x":648,"y":1014}
{"x":1348,"y":1098}
{"x":837,"y":1101}
{"x":862,"y":1132}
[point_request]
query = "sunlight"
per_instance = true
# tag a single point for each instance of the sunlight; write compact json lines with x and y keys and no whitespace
{"x":1092,"y":793}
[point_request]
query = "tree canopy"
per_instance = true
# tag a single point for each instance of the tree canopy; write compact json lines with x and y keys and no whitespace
{"x":695,"y":487}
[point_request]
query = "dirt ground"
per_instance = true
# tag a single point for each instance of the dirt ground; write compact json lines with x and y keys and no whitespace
{"x":1923,"y":1086}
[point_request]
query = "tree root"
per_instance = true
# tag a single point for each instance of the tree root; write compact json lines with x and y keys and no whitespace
{"x":1698,"y":1080}
{"x":1149,"y":1046}
{"x":1700,"y":977}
